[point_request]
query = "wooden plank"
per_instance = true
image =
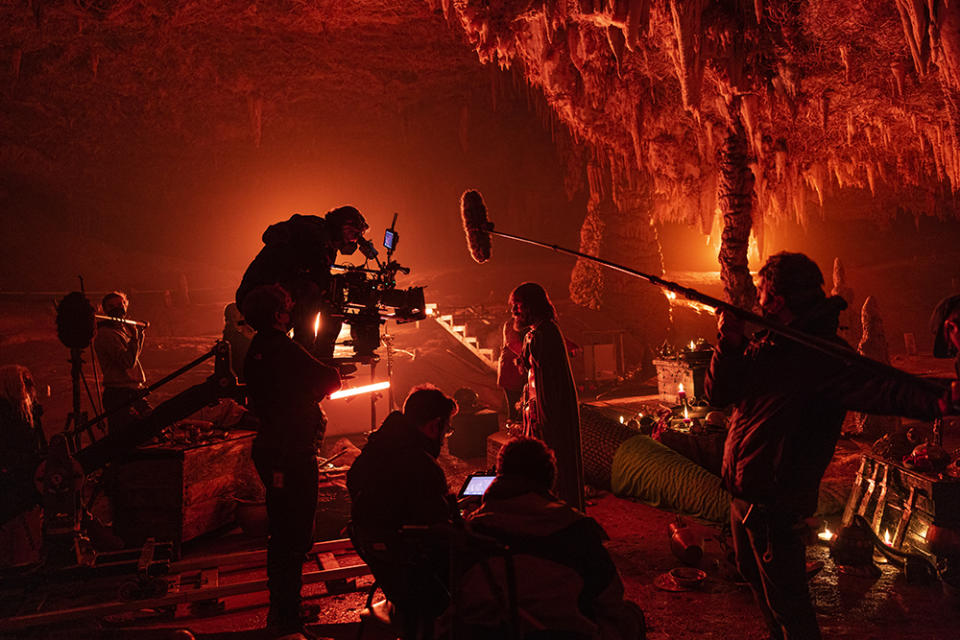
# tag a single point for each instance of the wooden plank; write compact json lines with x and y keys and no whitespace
{"x":24,"y":622}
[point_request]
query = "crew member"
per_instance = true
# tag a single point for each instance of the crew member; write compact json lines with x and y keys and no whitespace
{"x":118,"y":346}
{"x":789,"y":402}
{"x":298,"y":254}
{"x":22,"y":447}
{"x":285,"y":385}
{"x":396,"y":482}
{"x":566,"y":582}
{"x":551,"y":411}
{"x":945,"y":324}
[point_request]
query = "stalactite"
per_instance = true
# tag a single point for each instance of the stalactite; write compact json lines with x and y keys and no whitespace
{"x":825,"y":108}
{"x":915,"y":20}
{"x":687,"y":28}
{"x":638,"y":18}
{"x":735,"y":195}
{"x":899,"y":71}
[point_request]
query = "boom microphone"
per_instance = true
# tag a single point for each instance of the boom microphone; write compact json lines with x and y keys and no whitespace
{"x":476,"y":225}
{"x":479,"y":230}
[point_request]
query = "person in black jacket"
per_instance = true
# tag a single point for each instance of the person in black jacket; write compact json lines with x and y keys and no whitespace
{"x":285,"y":385}
{"x":396,"y":482}
{"x":298,"y":254}
{"x":566,"y":582}
{"x":789,"y":402}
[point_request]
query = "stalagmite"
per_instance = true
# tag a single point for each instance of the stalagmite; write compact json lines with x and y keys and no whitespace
{"x":873,"y":344}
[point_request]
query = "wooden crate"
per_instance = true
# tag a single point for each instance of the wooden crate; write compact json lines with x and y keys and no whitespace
{"x":178,"y":493}
{"x":495,"y":442}
{"x":902,"y":502}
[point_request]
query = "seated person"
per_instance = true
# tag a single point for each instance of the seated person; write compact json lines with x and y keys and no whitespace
{"x":566,"y":583}
{"x":396,"y":482}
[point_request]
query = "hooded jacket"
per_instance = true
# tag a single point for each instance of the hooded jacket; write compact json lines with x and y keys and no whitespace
{"x":789,"y":403}
{"x":300,"y":248}
{"x":396,"y":481}
{"x":566,"y":580}
{"x":285,"y":385}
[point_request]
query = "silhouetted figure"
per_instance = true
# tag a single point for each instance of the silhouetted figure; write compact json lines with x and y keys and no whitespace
{"x":285,"y":385}
{"x":789,"y":403}
{"x":118,"y":346}
{"x":298,"y":254}
{"x":396,"y":482}
{"x":22,"y":447}
{"x":551,"y":411}
{"x":566,"y":582}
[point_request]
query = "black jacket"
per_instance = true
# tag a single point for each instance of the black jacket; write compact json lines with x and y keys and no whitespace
{"x":300,"y":248}
{"x":396,"y":481}
{"x":789,"y":404}
{"x":285,"y":385}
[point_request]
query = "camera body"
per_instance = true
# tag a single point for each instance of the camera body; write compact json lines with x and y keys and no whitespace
{"x":366,"y":298}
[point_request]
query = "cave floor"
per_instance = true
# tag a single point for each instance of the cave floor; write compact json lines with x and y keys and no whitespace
{"x":885,"y":607}
{"x":849,"y":607}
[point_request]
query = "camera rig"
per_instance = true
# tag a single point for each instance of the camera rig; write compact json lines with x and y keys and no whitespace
{"x":364,"y":298}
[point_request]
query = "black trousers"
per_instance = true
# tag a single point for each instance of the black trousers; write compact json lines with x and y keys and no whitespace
{"x":116,"y":397}
{"x":290,"y":479}
{"x":771,"y":556}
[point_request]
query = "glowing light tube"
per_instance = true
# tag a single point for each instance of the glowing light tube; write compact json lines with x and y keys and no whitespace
{"x":355,"y":391}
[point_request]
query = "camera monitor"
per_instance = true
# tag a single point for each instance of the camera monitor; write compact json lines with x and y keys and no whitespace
{"x":476,"y":484}
{"x":389,"y":239}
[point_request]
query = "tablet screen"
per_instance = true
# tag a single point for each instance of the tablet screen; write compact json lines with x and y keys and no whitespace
{"x":476,"y":485}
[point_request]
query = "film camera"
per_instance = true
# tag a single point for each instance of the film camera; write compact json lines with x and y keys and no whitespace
{"x":365,"y":298}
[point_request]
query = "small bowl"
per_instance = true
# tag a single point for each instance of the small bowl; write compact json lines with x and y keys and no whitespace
{"x":688,"y":577}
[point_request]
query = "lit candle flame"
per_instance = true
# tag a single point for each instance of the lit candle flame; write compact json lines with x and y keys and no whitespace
{"x":886,"y":537}
{"x":316,"y":326}
{"x":686,"y":413}
{"x":826,"y":535}
{"x":621,"y":419}
{"x":680,"y":388}
{"x":693,"y":347}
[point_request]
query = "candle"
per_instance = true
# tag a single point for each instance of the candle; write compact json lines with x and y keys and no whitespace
{"x":886,"y":538}
{"x":826,"y":535}
{"x":681,"y":394}
{"x":693,"y":346}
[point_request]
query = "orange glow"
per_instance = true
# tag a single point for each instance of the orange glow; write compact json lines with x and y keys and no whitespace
{"x":355,"y":391}
{"x":316,"y":326}
{"x":676,"y":301}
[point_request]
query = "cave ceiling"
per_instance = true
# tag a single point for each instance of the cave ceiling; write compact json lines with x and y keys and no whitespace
{"x":852,"y":101}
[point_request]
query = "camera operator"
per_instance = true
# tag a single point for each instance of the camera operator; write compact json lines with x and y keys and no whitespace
{"x":297,"y":255}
